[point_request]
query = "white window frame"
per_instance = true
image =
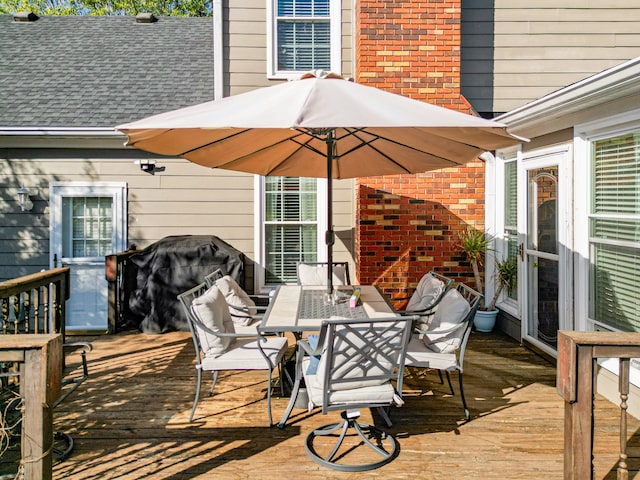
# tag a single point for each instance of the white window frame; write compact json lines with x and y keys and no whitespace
{"x":259,"y":229}
{"x":116,"y":190}
{"x":335,"y":12}
{"x":584,"y":135}
{"x":494,"y":222}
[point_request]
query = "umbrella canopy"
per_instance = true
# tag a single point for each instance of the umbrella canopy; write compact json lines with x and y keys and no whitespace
{"x":319,"y":126}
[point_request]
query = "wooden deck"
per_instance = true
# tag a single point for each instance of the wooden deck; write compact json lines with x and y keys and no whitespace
{"x":129,"y":420}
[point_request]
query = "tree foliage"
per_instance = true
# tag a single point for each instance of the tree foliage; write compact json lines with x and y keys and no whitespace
{"x":163,"y":8}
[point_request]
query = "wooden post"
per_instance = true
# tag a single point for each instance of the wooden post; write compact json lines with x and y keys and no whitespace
{"x":40,"y":358}
{"x":577,"y":355}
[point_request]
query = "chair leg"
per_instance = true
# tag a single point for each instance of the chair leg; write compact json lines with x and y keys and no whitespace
{"x":269,"y":398}
{"x":464,"y":402}
{"x":213,"y":383}
{"x":197,"y":395}
{"x":384,"y":413}
{"x":449,"y":380}
{"x":440,"y":375}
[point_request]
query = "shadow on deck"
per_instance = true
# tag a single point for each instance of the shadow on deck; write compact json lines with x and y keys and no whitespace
{"x":130,"y":420}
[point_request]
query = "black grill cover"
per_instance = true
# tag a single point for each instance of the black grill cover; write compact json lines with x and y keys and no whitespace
{"x":154,"y":277}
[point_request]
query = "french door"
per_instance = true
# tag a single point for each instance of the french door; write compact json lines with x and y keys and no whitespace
{"x":546,"y":288}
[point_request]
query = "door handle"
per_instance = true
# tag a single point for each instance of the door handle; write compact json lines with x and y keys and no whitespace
{"x":521,"y":251}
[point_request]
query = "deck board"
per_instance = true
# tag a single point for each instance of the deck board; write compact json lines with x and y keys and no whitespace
{"x":129,"y":420}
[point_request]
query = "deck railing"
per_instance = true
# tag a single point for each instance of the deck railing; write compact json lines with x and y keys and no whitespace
{"x":35,"y":303}
{"x":577,"y":356}
{"x":32,"y":328}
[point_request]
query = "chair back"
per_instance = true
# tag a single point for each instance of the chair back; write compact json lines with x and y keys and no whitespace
{"x":475,"y":299}
{"x":429,"y":292}
{"x":362,"y":353}
{"x":186,"y":299}
{"x":213,"y":276}
{"x":315,"y":273}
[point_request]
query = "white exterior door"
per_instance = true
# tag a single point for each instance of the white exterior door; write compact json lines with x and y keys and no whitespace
{"x":545,"y":278}
{"x":88,"y":222}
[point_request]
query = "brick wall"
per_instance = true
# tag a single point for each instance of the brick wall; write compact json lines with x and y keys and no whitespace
{"x":409,"y":224}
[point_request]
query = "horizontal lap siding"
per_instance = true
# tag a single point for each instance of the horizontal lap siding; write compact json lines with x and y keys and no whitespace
{"x":184,"y":199}
{"x":245,"y":33}
{"x":513,"y":54}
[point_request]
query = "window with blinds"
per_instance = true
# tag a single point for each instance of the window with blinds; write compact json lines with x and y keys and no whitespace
{"x":291,"y":226}
{"x":302,"y":33}
{"x":614,"y":232}
{"x":304,"y":40}
{"x":511,"y":215}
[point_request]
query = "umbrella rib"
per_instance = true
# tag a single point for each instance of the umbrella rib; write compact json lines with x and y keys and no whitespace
{"x":228,"y":164}
{"x":380,"y":137}
{"x":206,"y":145}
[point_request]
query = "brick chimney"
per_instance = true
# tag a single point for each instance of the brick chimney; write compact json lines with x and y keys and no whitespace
{"x":408,"y":225}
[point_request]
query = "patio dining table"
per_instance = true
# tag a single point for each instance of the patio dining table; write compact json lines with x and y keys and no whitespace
{"x":302,"y":308}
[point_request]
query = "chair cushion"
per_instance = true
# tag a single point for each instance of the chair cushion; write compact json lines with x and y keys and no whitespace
{"x":428,"y":290}
{"x":212,"y":311}
{"x":317,"y":274}
{"x":378,"y":393}
{"x":237,"y":297}
{"x":451,"y":311}
{"x":418,"y":355}
{"x":245,"y":355}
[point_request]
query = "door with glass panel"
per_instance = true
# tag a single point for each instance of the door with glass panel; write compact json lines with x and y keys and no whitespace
{"x":544,"y":256}
{"x":88,"y":223}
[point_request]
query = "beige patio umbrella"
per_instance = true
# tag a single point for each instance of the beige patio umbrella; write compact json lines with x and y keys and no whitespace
{"x":319,"y":126}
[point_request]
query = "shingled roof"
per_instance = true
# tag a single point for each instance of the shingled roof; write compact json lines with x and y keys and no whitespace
{"x":82,"y":71}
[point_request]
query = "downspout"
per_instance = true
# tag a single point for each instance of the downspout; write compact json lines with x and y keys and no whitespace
{"x":218,"y":49}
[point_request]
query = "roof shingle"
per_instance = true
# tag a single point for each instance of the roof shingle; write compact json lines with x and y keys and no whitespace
{"x":86,"y":71}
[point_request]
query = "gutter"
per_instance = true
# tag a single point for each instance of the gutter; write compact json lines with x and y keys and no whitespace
{"x":62,"y":132}
{"x":61,"y":137}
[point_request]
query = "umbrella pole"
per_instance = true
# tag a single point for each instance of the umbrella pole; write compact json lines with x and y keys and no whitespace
{"x":330,"y":235}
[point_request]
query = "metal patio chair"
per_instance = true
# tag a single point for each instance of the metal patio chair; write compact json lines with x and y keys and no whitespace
{"x":359,"y":360}
{"x":442,"y":346}
{"x":218,"y":347}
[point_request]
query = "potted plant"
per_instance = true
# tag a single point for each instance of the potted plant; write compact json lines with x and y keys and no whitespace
{"x":474,"y":244}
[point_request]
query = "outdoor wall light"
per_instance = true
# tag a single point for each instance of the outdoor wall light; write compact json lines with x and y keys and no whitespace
{"x":23,"y":200}
{"x":146,"y":165}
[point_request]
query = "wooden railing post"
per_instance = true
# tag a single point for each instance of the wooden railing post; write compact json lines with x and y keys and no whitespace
{"x":40,"y":359}
{"x":577,"y":355}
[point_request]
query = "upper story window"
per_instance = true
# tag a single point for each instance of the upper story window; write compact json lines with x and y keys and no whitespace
{"x":303,"y":35}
